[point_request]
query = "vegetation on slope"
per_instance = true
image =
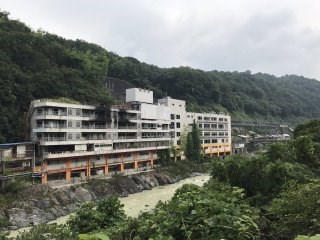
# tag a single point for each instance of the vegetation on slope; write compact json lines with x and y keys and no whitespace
{"x":274,"y":195}
{"x":41,"y":65}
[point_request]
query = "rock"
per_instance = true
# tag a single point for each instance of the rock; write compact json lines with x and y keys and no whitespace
{"x":46,"y":204}
{"x":82,"y":194}
{"x":11,"y":228}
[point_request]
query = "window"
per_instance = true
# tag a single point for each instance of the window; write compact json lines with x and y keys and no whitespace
{"x":200,"y":125}
{"x":226,"y":133}
{"x":39,"y":111}
{"x":222,"y":140}
{"x":172,"y":125}
{"x":143,"y":153}
{"x":214,"y":133}
{"x":55,"y":111}
{"x":69,"y":111}
{"x":214,"y":141}
{"x":178,"y":142}
{"x":207,"y":134}
{"x":172,"y":116}
{"x":178,"y":125}
{"x":221,"y":134}
{"x":69,"y":136}
{"x":78,"y":112}
{"x":178,"y":134}
{"x":221,"y":126}
{"x":199,"y":118}
{"x":207,"y":141}
{"x":206,"y":118}
{"x":220,"y":119}
{"x":78,"y":136}
{"x":226,"y":120}
{"x":39,"y":124}
{"x":214,"y":126}
{"x":69,"y":124}
{"x":177,"y":116}
{"x":78,"y":124}
{"x":206,"y":125}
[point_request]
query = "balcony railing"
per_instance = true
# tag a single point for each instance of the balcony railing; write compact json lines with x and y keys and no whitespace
{"x":53,"y":126}
{"x":52,"y":139}
{"x":96,"y":126}
{"x":127,"y":127}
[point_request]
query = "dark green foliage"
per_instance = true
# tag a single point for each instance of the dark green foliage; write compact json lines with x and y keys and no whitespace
{"x":111,"y":211}
{"x":196,"y":146}
{"x":213,"y":212}
{"x":296,"y":211}
{"x":41,"y":65}
{"x":311,"y":128}
{"x":261,"y":178}
{"x":193,"y":146}
{"x":189,"y":147}
{"x":48,"y":231}
{"x":164,"y":156}
{"x":87,"y":219}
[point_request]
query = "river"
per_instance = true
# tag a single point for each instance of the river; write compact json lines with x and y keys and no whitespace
{"x":143,"y":201}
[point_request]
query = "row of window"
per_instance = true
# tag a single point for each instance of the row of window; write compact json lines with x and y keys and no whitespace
{"x":206,"y":141}
{"x":212,"y":119}
{"x":177,"y":125}
{"x":208,"y":134}
{"x":173,"y":116}
{"x":213,"y":126}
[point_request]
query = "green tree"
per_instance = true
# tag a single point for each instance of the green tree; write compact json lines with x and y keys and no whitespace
{"x":87,"y":218}
{"x":195,"y":135}
{"x":189,"y":147}
{"x":110,"y":210}
{"x":261,"y":178}
{"x":295,"y":211}
{"x":48,"y":231}
{"x":216,"y":211}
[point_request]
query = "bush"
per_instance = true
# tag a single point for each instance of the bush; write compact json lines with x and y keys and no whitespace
{"x":87,"y":218}
{"x":48,"y":231}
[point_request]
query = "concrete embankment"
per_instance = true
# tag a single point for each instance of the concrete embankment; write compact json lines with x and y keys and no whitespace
{"x":41,"y":204}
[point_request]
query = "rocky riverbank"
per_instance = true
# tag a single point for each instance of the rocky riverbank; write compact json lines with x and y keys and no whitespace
{"x":41,"y":204}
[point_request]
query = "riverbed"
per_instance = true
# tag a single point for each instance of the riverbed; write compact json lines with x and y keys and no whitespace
{"x":142,"y":201}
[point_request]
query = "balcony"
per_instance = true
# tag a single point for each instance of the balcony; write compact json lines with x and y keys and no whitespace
{"x":52,"y":139}
{"x":107,"y":126}
{"x":60,"y":126}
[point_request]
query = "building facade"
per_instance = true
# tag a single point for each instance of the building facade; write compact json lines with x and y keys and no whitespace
{"x":215,"y":129}
{"x":75,"y":140}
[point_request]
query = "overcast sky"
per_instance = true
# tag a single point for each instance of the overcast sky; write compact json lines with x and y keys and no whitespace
{"x":272,"y":36}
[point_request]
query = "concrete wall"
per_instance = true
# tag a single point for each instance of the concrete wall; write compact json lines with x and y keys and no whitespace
{"x":139,"y":95}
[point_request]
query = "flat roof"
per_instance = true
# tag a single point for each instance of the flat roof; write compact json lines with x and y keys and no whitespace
{"x":4,"y":145}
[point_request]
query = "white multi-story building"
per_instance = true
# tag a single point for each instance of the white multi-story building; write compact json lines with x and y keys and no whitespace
{"x":215,"y":129}
{"x":76,"y":140}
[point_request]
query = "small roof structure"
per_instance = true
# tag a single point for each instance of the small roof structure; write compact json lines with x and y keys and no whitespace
{"x":9,"y":145}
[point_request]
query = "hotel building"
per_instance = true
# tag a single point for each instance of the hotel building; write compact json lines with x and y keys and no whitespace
{"x":75,"y":140}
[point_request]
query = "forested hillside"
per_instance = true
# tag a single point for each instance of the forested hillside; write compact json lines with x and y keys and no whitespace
{"x":42,"y":65}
